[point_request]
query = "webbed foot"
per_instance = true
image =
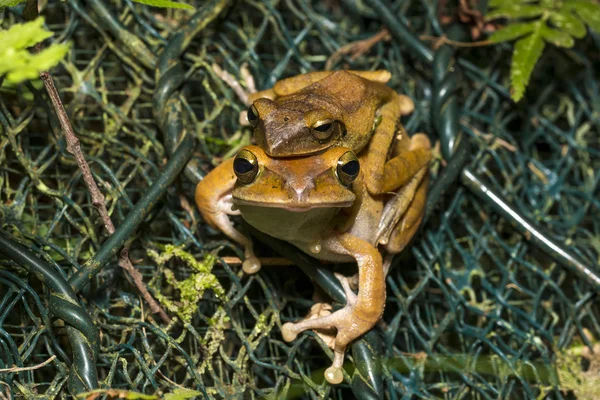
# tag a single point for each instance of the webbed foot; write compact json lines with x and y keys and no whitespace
{"x":350,"y":325}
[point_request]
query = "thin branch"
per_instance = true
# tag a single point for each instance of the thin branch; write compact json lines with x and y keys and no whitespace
{"x":74,"y":148}
{"x":274,"y":261}
{"x":442,"y":40}
{"x":21,"y":369}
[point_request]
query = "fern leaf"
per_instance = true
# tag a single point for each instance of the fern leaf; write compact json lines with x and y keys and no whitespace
{"x":502,"y":3}
{"x":528,"y":51}
{"x":10,"y":3}
{"x":588,"y":11}
{"x":557,"y":38}
{"x":512,"y":32}
{"x":566,"y":21}
{"x":164,"y":4}
{"x":515,"y":10}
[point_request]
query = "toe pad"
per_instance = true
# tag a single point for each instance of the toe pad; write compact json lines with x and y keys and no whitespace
{"x":288,"y":332}
{"x":334,"y":375}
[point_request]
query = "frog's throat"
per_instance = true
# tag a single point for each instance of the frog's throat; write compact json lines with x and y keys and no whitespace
{"x":293,"y":227}
{"x":297,"y":207}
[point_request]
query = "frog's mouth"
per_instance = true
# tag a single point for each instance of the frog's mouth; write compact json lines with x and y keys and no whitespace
{"x":296,"y":207}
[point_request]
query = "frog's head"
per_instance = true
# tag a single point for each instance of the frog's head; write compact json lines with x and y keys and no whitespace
{"x":301,"y":125}
{"x":337,"y":111}
{"x":296,"y":184}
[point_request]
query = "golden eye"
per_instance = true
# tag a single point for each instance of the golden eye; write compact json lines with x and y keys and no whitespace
{"x":322,"y":130}
{"x":348,"y":168}
{"x":245,"y":167}
{"x":252,"y":116}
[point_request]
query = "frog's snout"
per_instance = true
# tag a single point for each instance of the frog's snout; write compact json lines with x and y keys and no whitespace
{"x":298,"y":191}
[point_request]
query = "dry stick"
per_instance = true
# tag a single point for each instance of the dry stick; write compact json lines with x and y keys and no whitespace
{"x":21,"y":369}
{"x":74,"y":148}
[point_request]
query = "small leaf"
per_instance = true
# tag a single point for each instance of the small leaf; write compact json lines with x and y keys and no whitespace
{"x":21,"y":36}
{"x":512,"y":32}
{"x":566,"y":21}
{"x":527,"y":52}
{"x":514,"y":10}
{"x":10,"y":3}
{"x":589,"y":12}
{"x":165,"y":4}
{"x":115,"y":394}
{"x":557,"y":38}
{"x":16,"y":62}
{"x":182,"y":394}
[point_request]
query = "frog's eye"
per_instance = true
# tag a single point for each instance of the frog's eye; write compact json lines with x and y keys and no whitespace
{"x":322,"y":130}
{"x":245,"y":167}
{"x":252,"y":115}
{"x":348,"y":168}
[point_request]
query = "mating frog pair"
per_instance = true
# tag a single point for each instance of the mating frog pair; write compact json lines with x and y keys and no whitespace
{"x":304,"y":184}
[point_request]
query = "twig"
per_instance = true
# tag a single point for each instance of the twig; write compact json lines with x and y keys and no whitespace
{"x":280,"y":261}
{"x":358,"y":48}
{"x":74,"y":148}
{"x":7,"y":395}
{"x":21,"y":369}
{"x":233,"y":83}
{"x":442,"y":40}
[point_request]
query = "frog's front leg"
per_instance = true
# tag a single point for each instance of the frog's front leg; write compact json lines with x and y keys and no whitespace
{"x":213,"y":198}
{"x":361,"y":313}
{"x":383,"y":175}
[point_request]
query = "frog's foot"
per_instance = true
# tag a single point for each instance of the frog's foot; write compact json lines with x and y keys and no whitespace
{"x":319,"y":310}
{"x":349,"y":326}
{"x":407,"y":105}
{"x":347,"y":286}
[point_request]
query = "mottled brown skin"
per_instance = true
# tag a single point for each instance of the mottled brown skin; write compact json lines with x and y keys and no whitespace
{"x":355,"y":100}
{"x":301,"y":200}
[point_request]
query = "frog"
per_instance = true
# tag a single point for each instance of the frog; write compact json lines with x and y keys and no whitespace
{"x":309,"y":113}
{"x":321,"y":204}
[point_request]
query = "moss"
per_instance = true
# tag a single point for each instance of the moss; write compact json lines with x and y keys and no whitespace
{"x":192,"y":289}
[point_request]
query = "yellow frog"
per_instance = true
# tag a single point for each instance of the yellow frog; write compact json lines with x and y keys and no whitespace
{"x":321,"y":204}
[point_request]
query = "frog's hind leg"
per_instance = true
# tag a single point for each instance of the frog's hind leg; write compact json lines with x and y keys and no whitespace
{"x":397,"y":206}
{"x":360,"y":314}
{"x":404,"y":150}
{"x":407,"y":227}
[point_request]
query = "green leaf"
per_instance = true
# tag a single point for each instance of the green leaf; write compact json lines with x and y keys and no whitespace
{"x":515,"y":10}
{"x":528,"y":51}
{"x":16,"y":62}
{"x":589,"y":12}
{"x":182,"y":394}
{"x":164,"y":4}
{"x":512,"y":32}
{"x":566,"y":21}
{"x":557,"y":38}
{"x":10,"y":3}
{"x":502,"y":3}
{"x":117,"y":394}
{"x":21,"y":36}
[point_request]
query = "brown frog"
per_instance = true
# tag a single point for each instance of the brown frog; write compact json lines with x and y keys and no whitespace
{"x":309,"y":113}
{"x":321,"y":204}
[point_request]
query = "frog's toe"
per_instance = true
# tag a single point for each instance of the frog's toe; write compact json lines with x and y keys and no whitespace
{"x":251,"y":265}
{"x":334,"y":375}
{"x":289,"y":332}
{"x":350,"y":295}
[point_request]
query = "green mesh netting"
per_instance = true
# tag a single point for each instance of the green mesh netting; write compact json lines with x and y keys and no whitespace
{"x":474,"y":310}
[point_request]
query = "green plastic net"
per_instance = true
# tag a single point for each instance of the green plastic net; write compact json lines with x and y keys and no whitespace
{"x":474,"y":310}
